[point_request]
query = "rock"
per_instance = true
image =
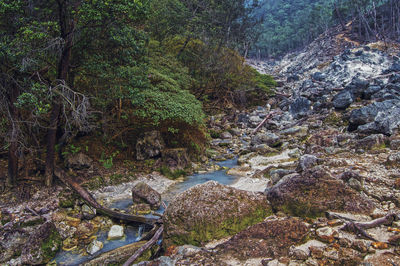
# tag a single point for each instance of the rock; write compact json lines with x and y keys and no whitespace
{"x":307,"y":161}
{"x":149,"y":145}
{"x":381,"y":117}
{"x":272,"y":238}
{"x":268,"y":138}
{"x":88,"y":212}
{"x":300,"y":107}
{"x":116,"y":232}
{"x":226,"y":135}
{"x":298,"y":254}
{"x":393,"y":160}
{"x":211,"y":211}
{"x":292,"y":78}
{"x":42,"y":245}
{"x":394,"y":68}
{"x":357,"y":86}
{"x":175,"y":159}
{"x":371,"y":142}
{"x":395,"y":144}
{"x":143,"y":193}
{"x":326,"y":234}
{"x":296,"y":131}
{"x":79,"y":161}
{"x":314,"y":192}
{"x":355,"y":184}
{"x":371,"y":90}
{"x":94,"y":246}
{"x":395,"y":78}
{"x":277,"y":174}
{"x":318,"y":76}
{"x":343,"y":100}
{"x":262,"y":149}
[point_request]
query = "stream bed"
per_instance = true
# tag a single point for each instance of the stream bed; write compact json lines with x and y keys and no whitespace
{"x":134,"y":233}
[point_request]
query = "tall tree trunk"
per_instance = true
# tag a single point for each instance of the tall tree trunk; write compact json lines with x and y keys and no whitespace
{"x":13,"y":149}
{"x":67,"y":28}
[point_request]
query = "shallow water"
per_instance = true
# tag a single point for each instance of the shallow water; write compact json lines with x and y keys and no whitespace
{"x":133,"y":233}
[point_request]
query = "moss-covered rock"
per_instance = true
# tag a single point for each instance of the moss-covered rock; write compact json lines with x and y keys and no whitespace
{"x":314,"y":192}
{"x":211,"y":211}
{"x":42,"y":245}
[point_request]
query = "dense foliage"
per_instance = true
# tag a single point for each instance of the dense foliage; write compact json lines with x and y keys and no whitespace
{"x":116,"y":68}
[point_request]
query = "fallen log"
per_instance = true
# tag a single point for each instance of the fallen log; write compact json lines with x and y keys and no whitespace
{"x":360,"y":227}
{"x":145,"y":247}
{"x":85,"y":195}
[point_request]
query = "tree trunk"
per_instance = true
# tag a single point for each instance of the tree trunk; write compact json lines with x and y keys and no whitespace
{"x":13,"y":149}
{"x":62,"y":75}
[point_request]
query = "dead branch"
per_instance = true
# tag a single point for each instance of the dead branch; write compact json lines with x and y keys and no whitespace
{"x":145,"y":247}
{"x":265,"y":120}
{"x":62,"y":175}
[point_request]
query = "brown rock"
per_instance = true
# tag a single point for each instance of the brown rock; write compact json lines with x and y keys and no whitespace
{"x":267,"y":239}
{"x":143,"y":193}
{"x":314,"y":192}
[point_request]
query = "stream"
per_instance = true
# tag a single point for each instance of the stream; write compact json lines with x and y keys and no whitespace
{"x":133,"y":233}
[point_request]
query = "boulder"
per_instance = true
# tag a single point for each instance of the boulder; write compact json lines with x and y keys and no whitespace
{"x":299,"y":107}
{"x":78,"y":161}
{"x":272,"y":239}
{"x":307,"y":161}
{"x":149,"y":145}
{"x":318,"y":76}
{"x":143,"y":193}
{"x":271,"y":139}
{"x":94,"y":246}
{"x":343,"y":100}
{"x":175,"y":159}
{"x":393,"y":160}
{"x":42,"y":245}
{"x":371,"y":90}
{"x":211,"y":211}
{"x":371,"y":142}
{"x":116,"y":232}
{"x":315,"y":191}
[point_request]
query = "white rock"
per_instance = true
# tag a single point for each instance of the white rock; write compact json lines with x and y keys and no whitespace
{"x":116,"y":232}
{"x":94,"y":247}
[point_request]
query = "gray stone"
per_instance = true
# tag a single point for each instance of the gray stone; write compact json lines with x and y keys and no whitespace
{"x":395,"y":144}
{"x":371,"y":142}
{"x":371,"y":90}
{"x":94,"y":247}
{"x":271,"y":139}
{"x":319,"y":76}
{"x":393,"y":160}
{"x":79,"y":161}
{"x":307,"y":161}
{"x":149,"y":145}
{"x":116,"y":232}
{"x":343,"y":100}
{"x":300,"y":107}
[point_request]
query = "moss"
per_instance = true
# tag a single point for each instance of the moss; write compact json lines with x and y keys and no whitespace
{"x":164,"y":170}
{"x":301,"y":209}
{"x":214,"y":134}
{"x":51,"y":246}
{"x":32,"y":222}
{"x":335,"y":119}
{"x":95,"y":183}
{"x":205,"y":233}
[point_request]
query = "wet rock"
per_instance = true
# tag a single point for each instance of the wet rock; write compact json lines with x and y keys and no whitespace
{"x":149,"y":145}
{"x":314,"y":192}
{"x":143,"y":193}
{"x":79,"y":161}
{"x":343,"y":100}
{"x":211,"y":211}
{"x":300,"y":107}
{"x":94,"y":246}
{"x":42,"y":245}
{"x":307,"y":161}
{"x":393,"y":160}
{"x":271,"y":239}
{"x":116,"y":232}
{"x":88,"y":212}
{"x":175,"y":159}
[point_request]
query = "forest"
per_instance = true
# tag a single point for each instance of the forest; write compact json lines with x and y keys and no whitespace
{"x":115,"y":68}
{"x":139,"y":130}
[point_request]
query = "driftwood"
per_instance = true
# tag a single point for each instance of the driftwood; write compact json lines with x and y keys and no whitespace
{"x":145,"y":247}
{"x":62,"y":175}
{"x":360,"y":227}
{"x":265,"y":120}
